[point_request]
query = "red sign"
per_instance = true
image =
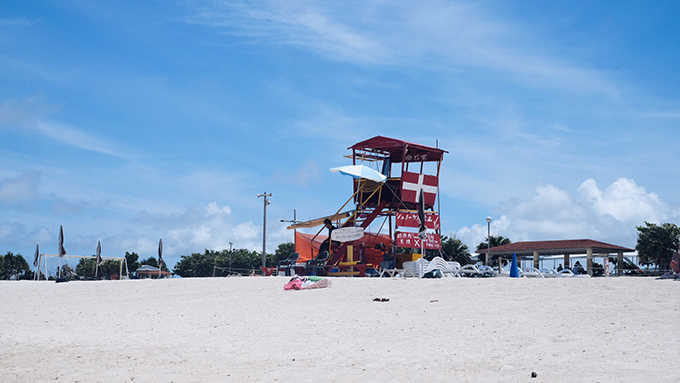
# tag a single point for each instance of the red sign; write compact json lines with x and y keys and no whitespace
{"x":408,"y":219}
{"x":411,"y":183}
{"x":411,"y":240}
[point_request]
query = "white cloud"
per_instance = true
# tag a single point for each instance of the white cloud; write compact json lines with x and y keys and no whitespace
{"x":11,"y":230}
{"x":449,"y":36}
{"x":20,"y":21}
{"x":19,"y":189}
{"x":608,"y":215}
{"x":294,"y":23}
{"x":213,"y":229}
{"x":307,"y":172}
{"x":625,"y":201}
{"x":214,"y":210}
{"x":29,"y":115}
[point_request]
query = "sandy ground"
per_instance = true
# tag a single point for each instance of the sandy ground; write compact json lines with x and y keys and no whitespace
{"x":250,"y":330}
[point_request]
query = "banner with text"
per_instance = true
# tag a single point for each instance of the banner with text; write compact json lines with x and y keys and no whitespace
{"x":411,"y":240}
{"x":410,"y":219}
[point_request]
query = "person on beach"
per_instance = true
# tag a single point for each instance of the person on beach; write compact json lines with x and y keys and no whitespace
{"x":559,"y":267}
{"x":326,"y":244}
{"x":578,"y":269}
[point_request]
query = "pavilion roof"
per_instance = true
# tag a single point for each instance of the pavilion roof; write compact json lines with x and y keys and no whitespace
{"x":398,"y":150}
{"x":558,"y":247}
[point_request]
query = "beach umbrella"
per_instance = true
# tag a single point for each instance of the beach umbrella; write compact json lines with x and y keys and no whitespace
{"x":62,"y":251}
{"x":37,"y":255}
{"x":160,"y":253}
{"x":160,"y":257}
{"x":99,"y":253}
{"x":98,"y":259}
{"x":360,"y":171}
{"x":514,"y":272}
{"x":422,"y":230}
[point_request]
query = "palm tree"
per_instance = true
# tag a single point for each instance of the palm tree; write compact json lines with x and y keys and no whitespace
{"x":495,"y":241}
{"x":453,"y":249}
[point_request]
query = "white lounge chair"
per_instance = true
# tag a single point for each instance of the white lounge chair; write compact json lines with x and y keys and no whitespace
{"x":531,"y":272}
{"x":565,"y":273}
{"x":548,"y":273}
{"x":468,"y":271}
{"x":486,"y":271}
{"x":422,"y":266}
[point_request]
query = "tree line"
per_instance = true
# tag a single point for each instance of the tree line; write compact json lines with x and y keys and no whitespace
{"x":655,"y":246}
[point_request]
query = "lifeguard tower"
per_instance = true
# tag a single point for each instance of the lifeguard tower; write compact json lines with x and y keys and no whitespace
{"x":396,"y":199}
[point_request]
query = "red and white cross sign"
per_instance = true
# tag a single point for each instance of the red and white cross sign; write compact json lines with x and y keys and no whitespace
{"x":411,"y":183}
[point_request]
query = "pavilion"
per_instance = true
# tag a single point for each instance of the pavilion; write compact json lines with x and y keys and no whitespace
{"x":567,"y":248}
{"x":148,"y":271}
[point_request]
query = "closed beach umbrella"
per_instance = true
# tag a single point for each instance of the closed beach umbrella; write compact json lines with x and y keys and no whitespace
{"x":37,"y":254}
{"x":360,"y":171}
{"x":99,"y":253}
{"x":160,"y":257}
{"x":160,"y":253}
{"x":62,"y":251}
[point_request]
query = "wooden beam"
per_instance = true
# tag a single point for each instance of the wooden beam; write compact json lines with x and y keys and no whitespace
{"x":318,"y":221}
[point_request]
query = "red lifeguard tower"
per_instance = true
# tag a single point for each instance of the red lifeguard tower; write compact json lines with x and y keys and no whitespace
{"x":404,"y":164}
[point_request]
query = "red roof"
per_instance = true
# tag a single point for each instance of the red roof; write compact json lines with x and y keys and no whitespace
{"x":398,"y":150}
{"x":567,"y":246}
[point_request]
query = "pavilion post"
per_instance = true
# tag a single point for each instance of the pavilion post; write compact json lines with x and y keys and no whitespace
{"x":567,"y":261}
{"x":589,"y":260}
{"x":605,"y":263}
{"x":619,"y":263}
{"x":536,"y":259}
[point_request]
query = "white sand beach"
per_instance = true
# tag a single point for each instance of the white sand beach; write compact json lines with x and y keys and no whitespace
{"x":250,"y":330}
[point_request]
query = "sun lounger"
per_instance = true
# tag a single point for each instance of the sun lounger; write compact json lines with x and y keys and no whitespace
{"x":531,"y":272}
{"x":468,"y":271}
{"x":548,"y":273}
{"x":486,"y":271}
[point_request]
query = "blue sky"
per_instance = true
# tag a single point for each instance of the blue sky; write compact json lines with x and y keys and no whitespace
{"x":128,"y":122}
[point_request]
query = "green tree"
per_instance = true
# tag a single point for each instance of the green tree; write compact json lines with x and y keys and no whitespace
{"x":495,"y":241}
{"x":110,"y":268}
{"x":243,"y":260}
{"x":455,"y":250}
{"x":656,"y":243}
{"x":13,"y":266}
{"x":131,"y":259}
{"x":282,"y":252}
{"x":198,"y":264}
{"x":202,"y":264}
{"x":86,"y":268}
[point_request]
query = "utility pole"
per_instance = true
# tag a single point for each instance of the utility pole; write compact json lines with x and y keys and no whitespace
{"x":264,"y":227}
{"x":488,"y":243}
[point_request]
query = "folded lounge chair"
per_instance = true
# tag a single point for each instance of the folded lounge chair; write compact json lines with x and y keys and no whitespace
{"x":420,"y":267}
{"x":449,"y":269}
